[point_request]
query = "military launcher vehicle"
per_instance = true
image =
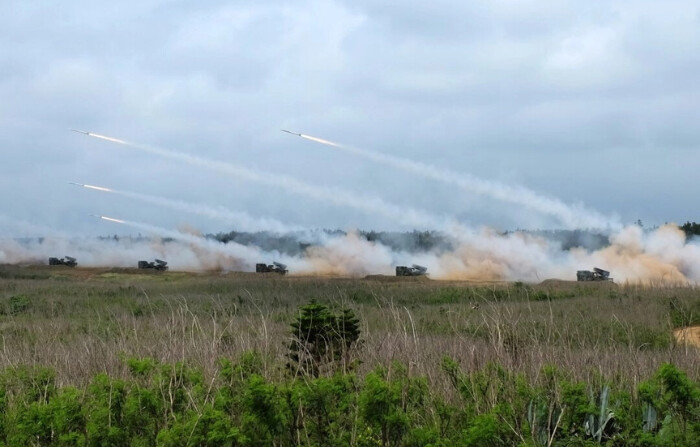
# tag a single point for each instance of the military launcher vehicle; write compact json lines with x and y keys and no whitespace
{"x":414,"y":270}
{"x":159,"y":265}
{"x":275,"y":267}
{"x":595,"y":275}
{"x":70,"y":262}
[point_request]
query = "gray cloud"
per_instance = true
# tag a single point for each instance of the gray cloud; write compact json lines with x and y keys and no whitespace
{"x":593,"y":103}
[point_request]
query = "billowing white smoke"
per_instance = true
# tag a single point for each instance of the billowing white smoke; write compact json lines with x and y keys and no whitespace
{"x":183,"y":250}
{"x":662,"y":255}
{"x":659,"y":256}
{"x":122,"y":252}
{"x":349,"y":255}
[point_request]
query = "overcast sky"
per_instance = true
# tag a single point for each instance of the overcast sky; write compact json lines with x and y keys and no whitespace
{"x":592,"y":103}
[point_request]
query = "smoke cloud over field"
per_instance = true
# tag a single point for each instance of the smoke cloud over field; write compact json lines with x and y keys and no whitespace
{"x":458,"y":252}
{"x":659,"y":256}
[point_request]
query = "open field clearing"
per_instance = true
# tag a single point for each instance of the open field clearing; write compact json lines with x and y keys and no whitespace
{"x":188,"y":355}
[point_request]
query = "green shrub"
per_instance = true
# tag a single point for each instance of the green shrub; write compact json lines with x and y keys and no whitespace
{"x":18,"y":304}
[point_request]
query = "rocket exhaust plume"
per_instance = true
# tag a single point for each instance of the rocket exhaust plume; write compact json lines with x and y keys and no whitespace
{"x":110,"y":219}
{"x":242,"y":252}
{"x":316,"y":139}
{"x":102,"y":137}
{"x":336,"y":196}
{"x":98,"y":188}
{"x":239,"y":219}
{"x":572,"y":217}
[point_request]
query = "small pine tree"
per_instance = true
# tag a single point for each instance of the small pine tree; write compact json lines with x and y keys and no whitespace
{"x":320,"y":338}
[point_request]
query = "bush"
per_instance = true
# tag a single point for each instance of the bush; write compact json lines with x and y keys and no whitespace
{"x":18,"y":304}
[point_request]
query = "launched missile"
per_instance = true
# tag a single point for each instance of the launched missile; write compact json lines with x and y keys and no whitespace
{"x":102,"y":137}
{"x":85,"y":185}
{"x":111,"y":219}
{"x":309,"y":137}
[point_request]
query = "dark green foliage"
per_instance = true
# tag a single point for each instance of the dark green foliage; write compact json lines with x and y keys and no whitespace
{"x":691,"y":229}
{"x":167,"y":405}
{"x":104,"y":425}
{"x":328,"y":405}
{"x":484,"y":431}
{"x":16,"y":305}
{"x":209,"y":428}
{"x":322,"y":339}
{"x":382,"y":407}
{"x":264,"y":412}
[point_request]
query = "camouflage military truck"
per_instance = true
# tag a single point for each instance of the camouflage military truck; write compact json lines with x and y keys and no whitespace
{"x":414,"y":270}
{"x":275,"y":267}
{"x":595,"y":275}
{"x":69,"y":261}
{"x":158,"y":265}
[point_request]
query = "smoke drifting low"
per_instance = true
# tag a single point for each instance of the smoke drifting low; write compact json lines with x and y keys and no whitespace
{"x":659,"y":256}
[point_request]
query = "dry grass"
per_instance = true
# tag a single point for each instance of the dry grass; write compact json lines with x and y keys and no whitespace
{"x":81,"y":321}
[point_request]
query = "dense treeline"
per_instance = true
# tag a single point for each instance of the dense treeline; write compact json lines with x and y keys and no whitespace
{"x":173,"y":405}
{"x":691,"y":228}
{"x":296,"y":243}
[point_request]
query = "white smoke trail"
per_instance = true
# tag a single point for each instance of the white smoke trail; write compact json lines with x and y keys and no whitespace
{"x":243,"y":252}
{"x":576,"y":216}
{"x":407,"y":216}
{"x":242,"y":220}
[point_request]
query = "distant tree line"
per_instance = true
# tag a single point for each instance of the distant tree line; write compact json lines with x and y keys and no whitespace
{"x":296,"y":243}
{"x":287,"y":243}
{"x":691,"y":229}
{"x":590,"y":240}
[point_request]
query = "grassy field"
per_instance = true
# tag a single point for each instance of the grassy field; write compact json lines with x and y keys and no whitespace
{"x":81,"y":323}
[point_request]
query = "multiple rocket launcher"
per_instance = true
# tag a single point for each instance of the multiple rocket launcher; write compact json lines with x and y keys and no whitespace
{"x":597,"y":274}
{"x":68,"y":261}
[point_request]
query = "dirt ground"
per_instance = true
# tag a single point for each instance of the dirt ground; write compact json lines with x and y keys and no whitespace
{"x":688,"y":335}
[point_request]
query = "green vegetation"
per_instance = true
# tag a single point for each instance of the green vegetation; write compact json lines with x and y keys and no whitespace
{"x":691,"y":228}
{"x":177,"y":359}
{"x":173,"y":405}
